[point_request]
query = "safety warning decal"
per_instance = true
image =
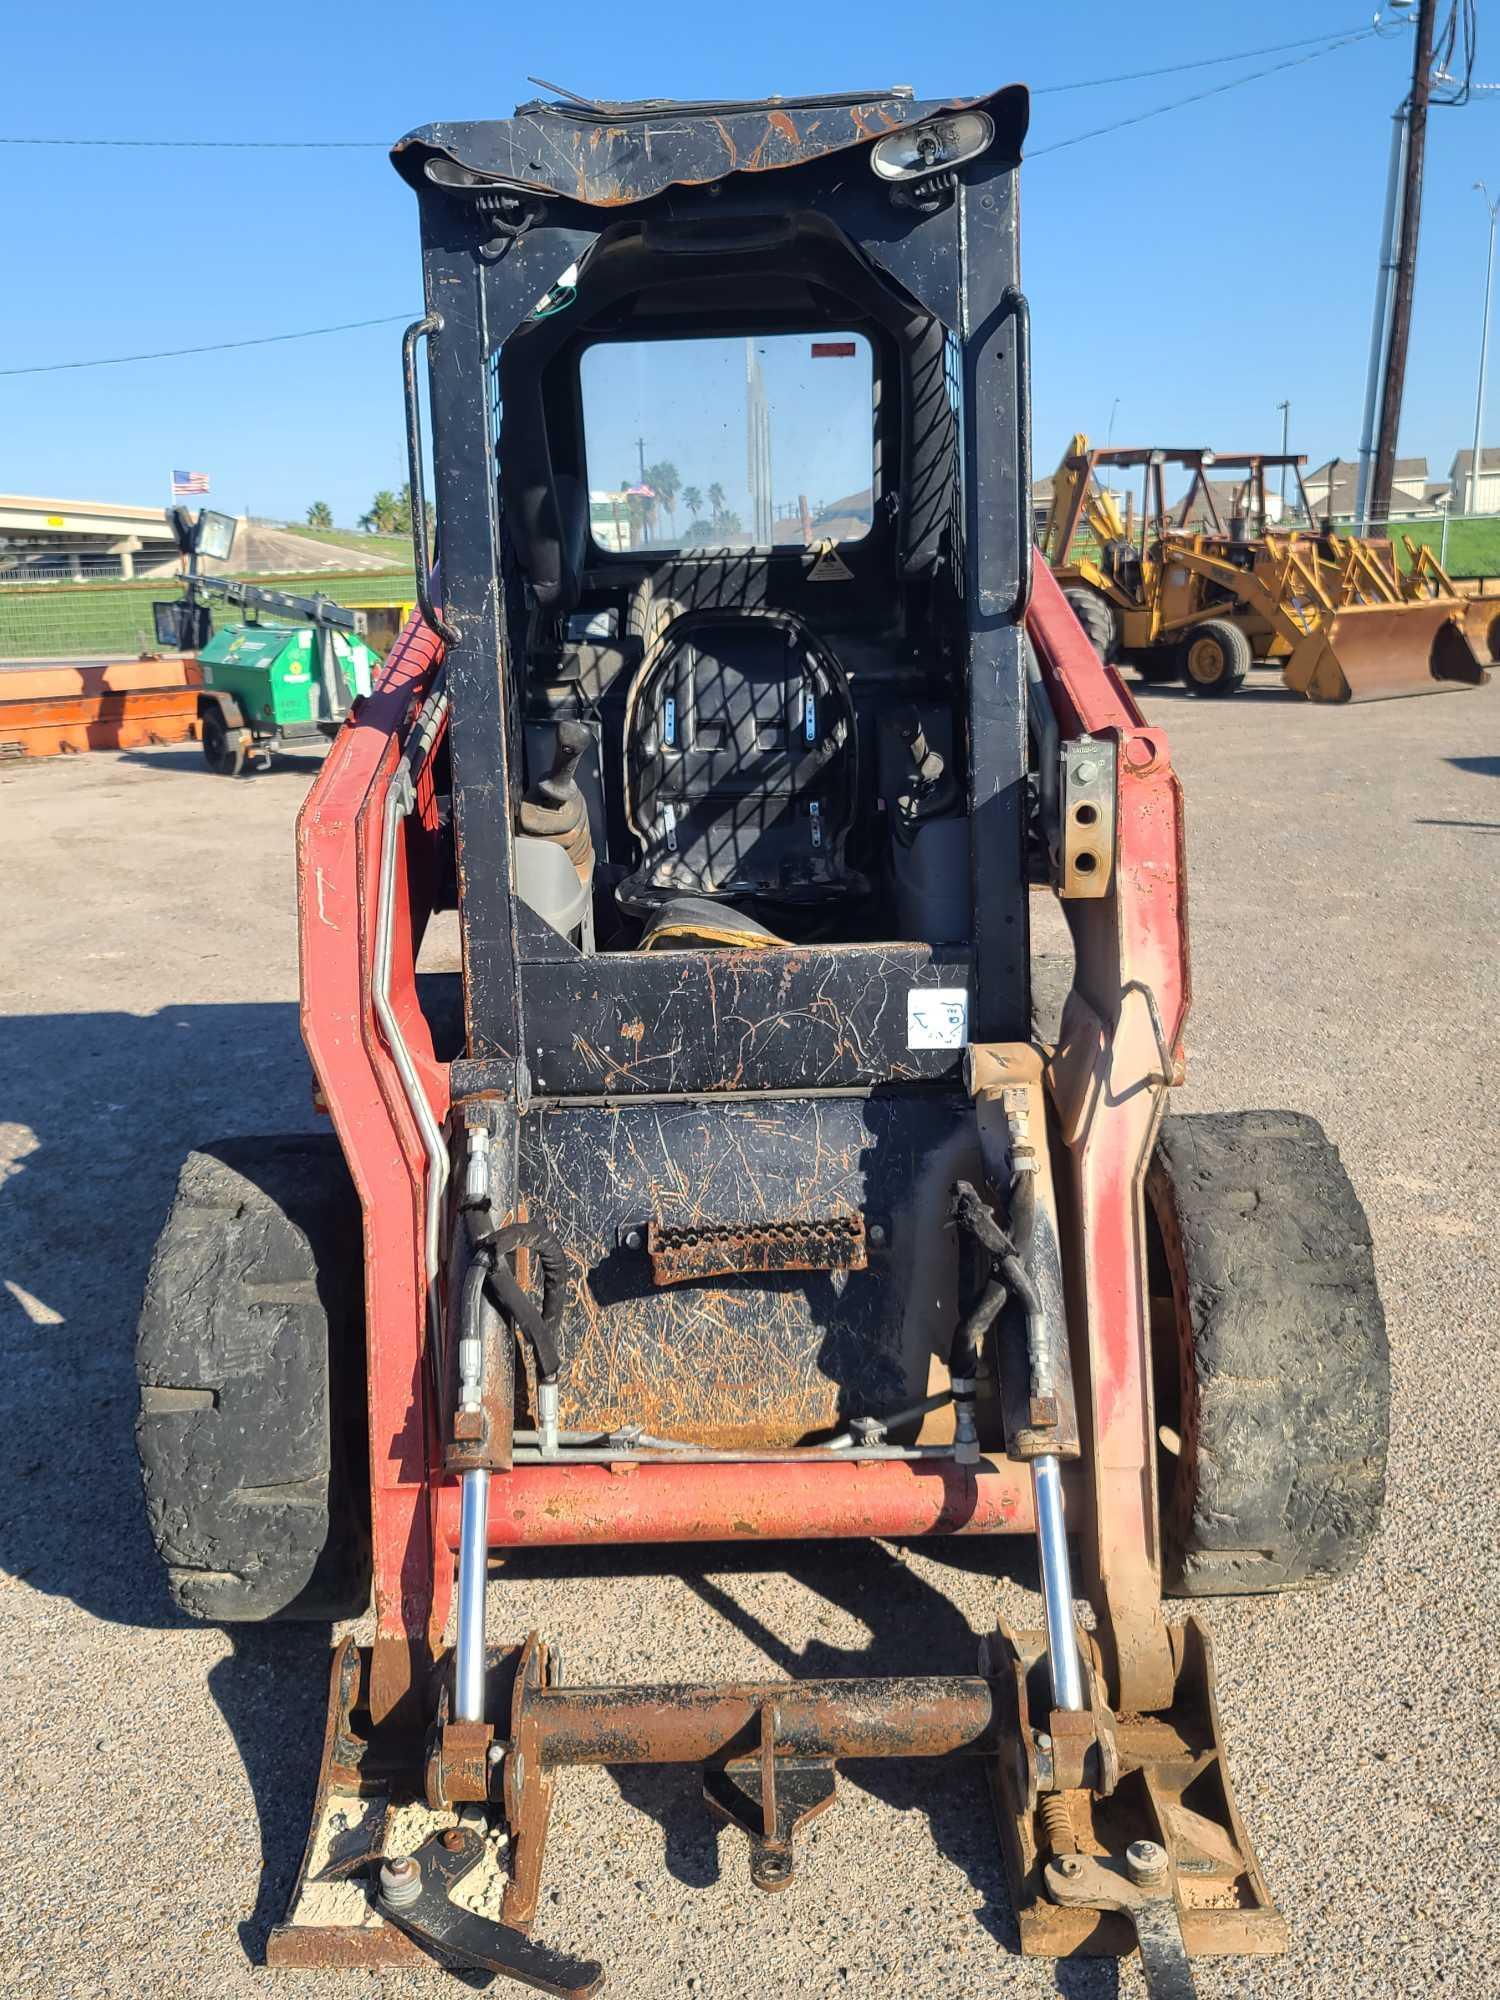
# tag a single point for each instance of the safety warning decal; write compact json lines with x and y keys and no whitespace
{"x":830,"y":566}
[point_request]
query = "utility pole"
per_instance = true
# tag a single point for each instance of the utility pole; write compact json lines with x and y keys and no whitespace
{"x":1472,"y":505}
{"x":1406,"y":266}
{"x":1286,"y":431}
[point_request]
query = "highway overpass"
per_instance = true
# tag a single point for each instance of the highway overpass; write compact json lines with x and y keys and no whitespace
{"x":81,"y":537}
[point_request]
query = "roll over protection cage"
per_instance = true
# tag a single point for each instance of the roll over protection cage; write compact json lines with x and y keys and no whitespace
{"x":505,"y":210}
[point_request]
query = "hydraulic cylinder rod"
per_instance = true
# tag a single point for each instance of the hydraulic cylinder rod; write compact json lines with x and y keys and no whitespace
{"x":1057,"y":1585}
{"x":473,"y":1557}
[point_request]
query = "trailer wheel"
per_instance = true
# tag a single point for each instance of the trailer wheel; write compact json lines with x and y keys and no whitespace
{"x":1214,"y":658}
{"x":1271,"y":1364}
{"x":250,"y":1353}
{"x":1097,"y":619}
{"x":222,"y":751}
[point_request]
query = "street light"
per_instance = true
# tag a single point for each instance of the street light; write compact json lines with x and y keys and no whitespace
{"x":1484,"y":341}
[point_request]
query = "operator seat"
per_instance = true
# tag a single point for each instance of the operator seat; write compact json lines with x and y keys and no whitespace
{"x":741,"y":766}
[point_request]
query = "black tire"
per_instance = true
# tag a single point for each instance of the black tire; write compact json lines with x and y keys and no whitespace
{"x":1097,"y":619}
{"x":1214,"y":658}
{"x":221,"y":751}
{"x":1271,"y":1361}
{"x":252,"y":1428}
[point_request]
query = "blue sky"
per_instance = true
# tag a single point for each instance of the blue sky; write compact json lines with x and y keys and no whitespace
{"x":1200,"y":267}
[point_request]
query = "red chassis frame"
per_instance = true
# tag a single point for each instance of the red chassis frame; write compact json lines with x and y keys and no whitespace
{"x":1118,"y":1053}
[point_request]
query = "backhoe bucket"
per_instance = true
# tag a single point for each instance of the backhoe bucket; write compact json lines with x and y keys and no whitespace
{"x":1374,"y":652}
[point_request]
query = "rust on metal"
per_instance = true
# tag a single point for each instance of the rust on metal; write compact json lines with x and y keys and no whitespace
{"x":567,"y":1505}
{"x":1171,"y":1786}
{"x":776,"y":1349}
{"x":462,"y":1764}
{"x":769,"y":1798}
{"x":1375,"y":652}
{"x":708,"y":1250}
{"x":904,"y":1716}
{"x":61,"y":711}
{"x":610,"y":155}
{"x":343,"y":1777}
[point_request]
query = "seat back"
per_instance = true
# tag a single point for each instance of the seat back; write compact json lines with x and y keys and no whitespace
{"x":740,"y":762}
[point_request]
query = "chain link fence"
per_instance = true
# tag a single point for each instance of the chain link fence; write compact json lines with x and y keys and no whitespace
{"x":59,"y":616}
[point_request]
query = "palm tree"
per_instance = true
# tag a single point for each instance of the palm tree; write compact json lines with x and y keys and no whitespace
{"x":692,"y":499}
{"x":666,"y":482}
{"x":320,"y":515}
{"x":384,"y":515}
{"x":717,"y":499}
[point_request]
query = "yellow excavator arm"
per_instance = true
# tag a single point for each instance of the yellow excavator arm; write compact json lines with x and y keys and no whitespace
{"x":1079,"y":499}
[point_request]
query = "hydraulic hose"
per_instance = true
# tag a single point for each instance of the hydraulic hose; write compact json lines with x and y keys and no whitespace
{"x":539,"y":1325}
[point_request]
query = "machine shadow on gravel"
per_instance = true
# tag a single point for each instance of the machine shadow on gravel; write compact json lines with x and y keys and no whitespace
{"x":100,"y":1109}
{"x":97,"y":1112}
{"x":1256,"y":689}
{"x":913,"y":1629}
{"x":189,"y":761}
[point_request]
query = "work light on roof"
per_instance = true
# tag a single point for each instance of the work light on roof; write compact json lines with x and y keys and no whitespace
{"x":932,"y":146}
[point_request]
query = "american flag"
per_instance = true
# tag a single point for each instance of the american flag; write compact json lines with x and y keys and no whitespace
{"x":188,"y":482}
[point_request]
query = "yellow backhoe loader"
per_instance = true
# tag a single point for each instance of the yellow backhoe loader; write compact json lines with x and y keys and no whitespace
{"x":1186,"y":594}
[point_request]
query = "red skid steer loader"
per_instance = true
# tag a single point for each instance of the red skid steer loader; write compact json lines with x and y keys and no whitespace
{"x":733,"y":1162}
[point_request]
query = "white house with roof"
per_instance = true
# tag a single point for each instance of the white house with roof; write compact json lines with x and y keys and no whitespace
{"x":1487,"y":499}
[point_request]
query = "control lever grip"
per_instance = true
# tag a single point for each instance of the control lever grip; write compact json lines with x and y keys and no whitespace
{"x":560,"y":786}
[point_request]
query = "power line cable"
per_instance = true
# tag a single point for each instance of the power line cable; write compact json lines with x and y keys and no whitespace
{"x":352,"y":326}
{"x":1198,"y":96}
{"x":219,"y":145}
{"x":382,"y":145}
{"x":1201,"y":62}
{"x":211,"y":347}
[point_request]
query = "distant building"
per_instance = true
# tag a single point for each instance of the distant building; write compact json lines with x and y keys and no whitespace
{"x":609,"y":519}
{"x":1230,"y":497}
{"x":1333,"y":488}
{"x":1487,"y":499}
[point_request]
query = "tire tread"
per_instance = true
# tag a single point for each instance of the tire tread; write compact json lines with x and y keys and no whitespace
{"x":249,"y":1355}
{"x":1281,"y":1479}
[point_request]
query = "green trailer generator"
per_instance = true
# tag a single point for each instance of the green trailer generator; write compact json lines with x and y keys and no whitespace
{"x":265,"y":686}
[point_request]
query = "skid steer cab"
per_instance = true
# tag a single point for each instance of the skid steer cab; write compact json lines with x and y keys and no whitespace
{"x":730,"y":1193}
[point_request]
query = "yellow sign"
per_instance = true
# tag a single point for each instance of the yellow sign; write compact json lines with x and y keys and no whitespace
{"x":56,"y":521}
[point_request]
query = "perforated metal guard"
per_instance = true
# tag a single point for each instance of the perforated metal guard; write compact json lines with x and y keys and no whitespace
{"x":740,"y":763}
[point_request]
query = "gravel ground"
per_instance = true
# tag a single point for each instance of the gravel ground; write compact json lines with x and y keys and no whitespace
{"x":157,"y":1775}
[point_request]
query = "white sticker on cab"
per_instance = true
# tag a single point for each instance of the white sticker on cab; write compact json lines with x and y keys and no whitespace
{"x":937,"y":1017}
